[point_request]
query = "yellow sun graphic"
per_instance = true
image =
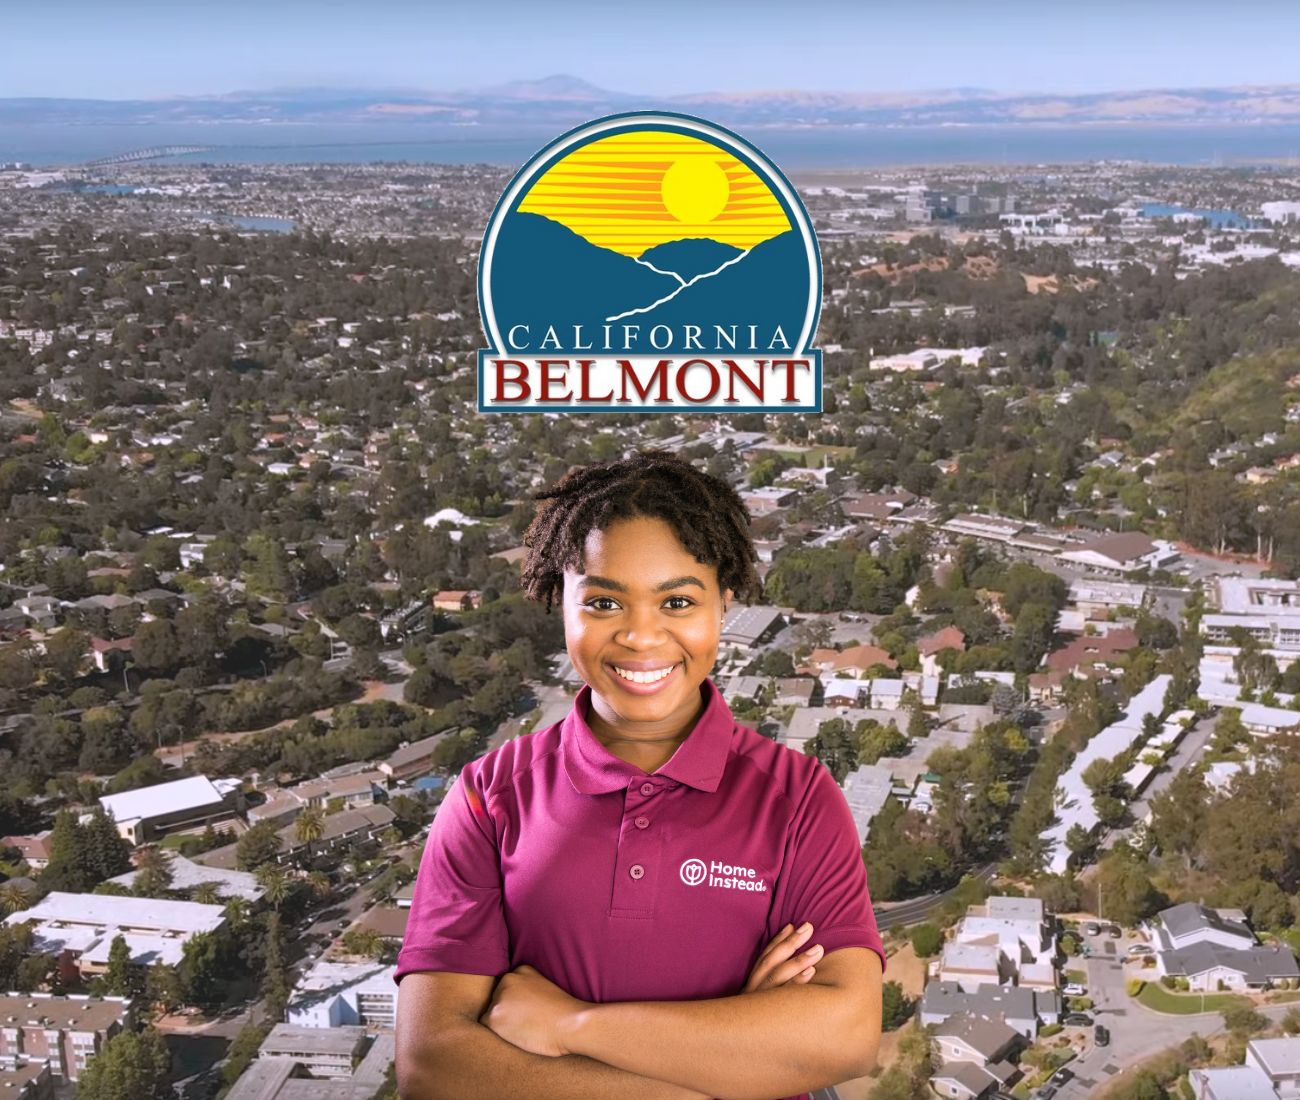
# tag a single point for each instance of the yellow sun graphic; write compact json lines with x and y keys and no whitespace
{"x":633,"y":191}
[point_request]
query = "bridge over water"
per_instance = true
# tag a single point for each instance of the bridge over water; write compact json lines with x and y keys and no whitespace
{"x":154,"y":152}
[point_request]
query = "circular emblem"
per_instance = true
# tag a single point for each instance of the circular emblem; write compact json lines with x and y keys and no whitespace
{"x":694,"y":872}
{"x":648,"y":238}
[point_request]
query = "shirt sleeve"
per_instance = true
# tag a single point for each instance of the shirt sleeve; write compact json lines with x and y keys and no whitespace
{"x":823,"y":879}
{"x":457,"y":922}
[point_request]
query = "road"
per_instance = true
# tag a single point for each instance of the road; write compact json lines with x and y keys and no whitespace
{"x":918,"y":909}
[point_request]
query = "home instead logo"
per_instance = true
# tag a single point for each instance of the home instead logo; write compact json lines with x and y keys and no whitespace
{"x":649,"y":262}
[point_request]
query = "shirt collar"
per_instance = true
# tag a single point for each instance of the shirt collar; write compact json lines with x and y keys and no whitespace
{"x":698,"y":762}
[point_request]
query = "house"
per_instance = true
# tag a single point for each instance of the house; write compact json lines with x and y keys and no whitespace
{"x":149,"y":812}
{"x":887,"y":694}
{"x":950,"y":637}
{"x":746,"y":688}
{"x":109,"y":656}
{"x":1265,"y":721}
{"x":1212,"y":946}
{"x":1271,"y":1071}
{"x":971,"y":965}
{"x":1087,"y":656}
{"x":457,"y":599}
{"x":1025,"y":1010}
{"x":1266,"y":609}
{"x":64,"y":1031}
{"x":335,"y":994}
{"x":388,"y":922}
{"x":855,"y":660}
{"x":795,"y":691}
{"x":839,"y":691}
{"x":35,"y":849}
{"x":973,"y":1054}
{"x":414,"y":759}
{"x":80,"y":928}
{"x":876,"y":506}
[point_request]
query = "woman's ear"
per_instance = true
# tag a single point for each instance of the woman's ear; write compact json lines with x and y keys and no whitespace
{"x":726,"y":597}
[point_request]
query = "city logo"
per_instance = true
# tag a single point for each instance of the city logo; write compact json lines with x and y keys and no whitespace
{"x":649,"y":262}
{"x":724,"y":876}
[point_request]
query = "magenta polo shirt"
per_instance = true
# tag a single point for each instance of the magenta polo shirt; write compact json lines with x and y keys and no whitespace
{"x":620,"y":885}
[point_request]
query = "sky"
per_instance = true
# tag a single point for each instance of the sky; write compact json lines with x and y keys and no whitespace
{"x":126,"y":49}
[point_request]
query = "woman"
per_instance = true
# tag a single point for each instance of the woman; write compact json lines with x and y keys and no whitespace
{"x":594,"y":899}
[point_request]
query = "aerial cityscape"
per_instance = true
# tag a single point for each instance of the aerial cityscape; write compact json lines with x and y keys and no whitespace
{"x":1031,"y":595}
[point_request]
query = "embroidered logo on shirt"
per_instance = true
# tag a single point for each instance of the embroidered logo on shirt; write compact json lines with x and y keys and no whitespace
{"x":725,"y":876}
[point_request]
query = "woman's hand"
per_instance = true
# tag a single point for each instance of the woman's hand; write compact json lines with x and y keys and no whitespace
{"x":779,"y":963}
{"x":528,"y":1011}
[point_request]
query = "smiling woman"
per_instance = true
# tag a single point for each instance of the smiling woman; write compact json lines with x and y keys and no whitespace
{"x":607,"y":897}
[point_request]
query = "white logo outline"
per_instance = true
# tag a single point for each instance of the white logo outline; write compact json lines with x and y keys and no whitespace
{"x":693,"y":872}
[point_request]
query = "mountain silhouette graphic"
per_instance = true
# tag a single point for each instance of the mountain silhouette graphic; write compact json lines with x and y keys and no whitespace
{"x":690,"y":256}
{"x":544,"y":274}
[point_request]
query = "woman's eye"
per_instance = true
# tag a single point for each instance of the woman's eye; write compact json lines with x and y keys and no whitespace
{"x":685,"y":602}
{"x":602,"y":600}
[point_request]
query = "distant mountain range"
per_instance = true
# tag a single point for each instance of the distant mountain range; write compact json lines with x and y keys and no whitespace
{"x":559,"y":101}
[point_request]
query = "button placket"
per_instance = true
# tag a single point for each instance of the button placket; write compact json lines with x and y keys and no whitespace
{"x":635,"y":886}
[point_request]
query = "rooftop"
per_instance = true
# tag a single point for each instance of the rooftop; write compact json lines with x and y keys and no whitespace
{"x":162,"y":798}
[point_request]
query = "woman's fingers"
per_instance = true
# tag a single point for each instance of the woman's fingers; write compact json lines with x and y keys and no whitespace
{"x":783,"y":961}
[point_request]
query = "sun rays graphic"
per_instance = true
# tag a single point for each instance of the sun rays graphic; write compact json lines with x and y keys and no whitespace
{"x":633,"y":191}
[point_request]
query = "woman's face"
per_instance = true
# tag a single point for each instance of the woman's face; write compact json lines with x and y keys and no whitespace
{"x":644,"y":610}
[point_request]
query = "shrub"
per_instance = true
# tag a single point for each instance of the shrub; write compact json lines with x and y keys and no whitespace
{"x":926,"y":940}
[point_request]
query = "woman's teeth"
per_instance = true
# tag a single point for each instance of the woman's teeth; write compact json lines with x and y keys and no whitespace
{"x":644,"y":677}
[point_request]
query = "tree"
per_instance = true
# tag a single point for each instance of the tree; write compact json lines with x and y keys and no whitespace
{"x":835,"y":746}
{"x":121,"y":979}
{"x":65,"y":651}
{"x":206,"y":893}
{"x":275,"y":884}
{"x":259,"y":845}
{"x":107,"y":854}
{"x":200,"y":969}
{"x":1125,"y":881}
{"x":162,"y":986}
{"x":14,"y":897}
{"x":131,"y":1066}
{"x":310,"y":827}
{"x":926,"y":940}
{"x":67,"y":869}
{"x":153,"y":877}
{"x":275,"y":980}
{"x":917,"y":726}
{"x":897,"y":1006}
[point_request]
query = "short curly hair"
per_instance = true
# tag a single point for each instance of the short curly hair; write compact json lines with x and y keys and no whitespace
{"x":707,"y":514}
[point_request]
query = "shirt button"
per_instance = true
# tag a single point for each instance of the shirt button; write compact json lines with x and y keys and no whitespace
{"x":636,"y":870}
{"x":647,"y":788}
{"x":642,"y":823}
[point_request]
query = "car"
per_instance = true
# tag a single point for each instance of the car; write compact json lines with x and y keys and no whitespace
{"x":1101,"y":1036}
{"x":1062,"y":1075}
{"x":1074,"y":989}
{"x":1046,"y":1092}
{"x":1141,"y":949}
{"x":1092,"y":928}
{"x":1114,"y":931}
{"x":1078,"y":1019}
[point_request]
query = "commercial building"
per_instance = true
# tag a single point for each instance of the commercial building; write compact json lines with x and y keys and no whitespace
{"x":150,"y":812}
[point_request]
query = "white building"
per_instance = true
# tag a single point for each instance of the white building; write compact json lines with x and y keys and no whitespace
{"x":335,"y":994}
{"x":866,"y":790}
{"x":81,"y":928}
{"x":147,"y":812}
{"x":1074,"y":799}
